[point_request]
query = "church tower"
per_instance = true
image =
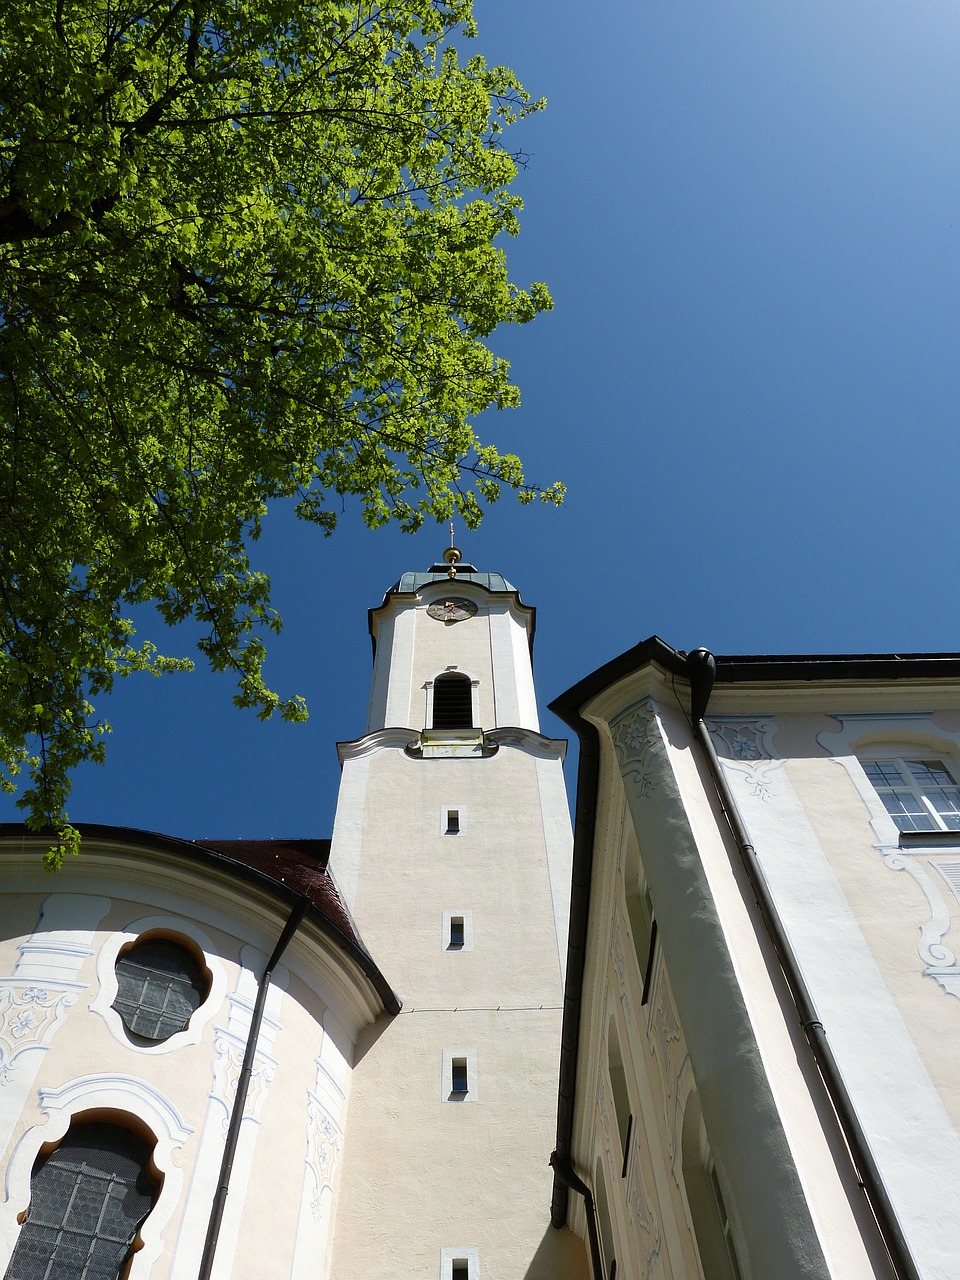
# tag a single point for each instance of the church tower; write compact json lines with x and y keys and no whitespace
{"x":451,"y":850}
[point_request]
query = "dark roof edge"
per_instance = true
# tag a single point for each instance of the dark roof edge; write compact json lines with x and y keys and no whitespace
{"x":730,"y":669}
{"x":743,"y":668}
{"x":735,"y":668}
{"x":212,"y":857}
{"x":651,"y":650}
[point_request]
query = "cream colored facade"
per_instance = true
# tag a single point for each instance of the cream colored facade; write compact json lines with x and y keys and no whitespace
{"x":432,"y":1175}
{"x":66,"y":1055}
{"x":402,"y":1084}
{"x":699,"y":1116}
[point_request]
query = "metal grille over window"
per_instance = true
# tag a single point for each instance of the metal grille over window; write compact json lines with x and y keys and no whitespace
{"x":88,"y":1198}
{"x":920,"y":795}
{"x":159,"y":986}
{"x":452,"y":701}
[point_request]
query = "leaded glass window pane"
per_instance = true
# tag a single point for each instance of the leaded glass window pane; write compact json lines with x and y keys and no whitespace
{"x":159,"y":986}
{"x":88,"y":1198}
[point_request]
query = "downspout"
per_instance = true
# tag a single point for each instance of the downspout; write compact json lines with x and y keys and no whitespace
{"x":701,"y":672}
{"x":565,"y":1172}
{"x":243,"y":1084}
{"x":577,"y":933}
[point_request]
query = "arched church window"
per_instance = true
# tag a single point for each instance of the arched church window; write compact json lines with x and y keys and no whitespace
{"x":89,"y":1197}
{"x":452,"y":701}
{"x":160,"y":984}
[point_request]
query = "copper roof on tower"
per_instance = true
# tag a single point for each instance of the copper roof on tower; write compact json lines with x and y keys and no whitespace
{"x":410,"y":583}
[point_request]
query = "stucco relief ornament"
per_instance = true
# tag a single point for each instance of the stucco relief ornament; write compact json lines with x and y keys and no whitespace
{"x":668,"y":1048}
{"x":620,"y":965}
{"x":324,"y":1143}
{"x":637,"y":742}
{"x":28,"y":1015}
{"x":604,"y":1118}
{"x":645,"y":1218}
{"x":230,"y":1052}
{"x":742,"y":739}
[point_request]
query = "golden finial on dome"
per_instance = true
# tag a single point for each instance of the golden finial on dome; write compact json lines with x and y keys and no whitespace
{"x":452,"y":556}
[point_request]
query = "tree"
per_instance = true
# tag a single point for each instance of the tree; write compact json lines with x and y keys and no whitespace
{"x":247,"y":253}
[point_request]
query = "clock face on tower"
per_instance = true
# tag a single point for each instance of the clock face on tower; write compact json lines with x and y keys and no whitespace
{"x":452,"y":609}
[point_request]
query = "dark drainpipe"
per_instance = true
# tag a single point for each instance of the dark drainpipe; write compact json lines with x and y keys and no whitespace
{"x":243,"y":1084}
{"x":565,"y":1172}
{"x":701,"y":672}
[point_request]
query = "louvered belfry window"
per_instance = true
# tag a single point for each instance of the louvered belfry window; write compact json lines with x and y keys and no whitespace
{"x":159,"y":986}
{"x":452,"y":701}
{"x":88,"y":1198}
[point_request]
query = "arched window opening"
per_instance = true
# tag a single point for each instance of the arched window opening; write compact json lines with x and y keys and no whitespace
{"x":621,"y":1098}
{"x":452,"y":701}
{"x":160,"y":984}
{"x":710,"y":1220}
{"x":89,"y":1197}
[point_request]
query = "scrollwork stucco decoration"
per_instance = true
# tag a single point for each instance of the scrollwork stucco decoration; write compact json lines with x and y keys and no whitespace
{"x":743,"y":738}
{"x":324,"y":1145}
{"x":618,"y":954}
{"x":670,"y":1051}
{"x":604,"y":1112}
{"x":29,"y":1014}
{"x":227,"y":1065}
{"x":639,"y":745}
{"x":645,"y":1218}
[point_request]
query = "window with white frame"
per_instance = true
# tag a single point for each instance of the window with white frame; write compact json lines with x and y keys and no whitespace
{"x":89,"y":1197}
{"x":459,"y":1078}
{"x":919,"y":795}
{"x":160,"y":985}
{"x":459,"y":1262}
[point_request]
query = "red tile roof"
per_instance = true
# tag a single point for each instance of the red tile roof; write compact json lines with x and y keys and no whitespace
{"x":299,"y":864}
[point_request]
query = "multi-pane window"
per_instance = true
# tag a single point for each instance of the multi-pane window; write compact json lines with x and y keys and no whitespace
{"x":920,"y":795}
{"x":159,"y":985}
{"x":88,"y":1198}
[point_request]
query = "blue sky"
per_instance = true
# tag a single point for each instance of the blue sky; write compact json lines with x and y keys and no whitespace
{"x":749,"y":217}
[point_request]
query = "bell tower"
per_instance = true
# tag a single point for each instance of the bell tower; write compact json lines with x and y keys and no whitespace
{"x":452,"y":850}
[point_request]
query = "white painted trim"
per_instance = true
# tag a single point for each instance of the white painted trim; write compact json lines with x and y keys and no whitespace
{"x":451,"y":670}
{"x":347,"y":843}
{"x":446,"y":1076}
{"x":459,"y":1253}
{"x":558,"y":844}
{"x":910,"y":1133}
{"x":127,"y":1095}
{"x":380,"y":740}
{"x":43,"y":986}
{"x":172,"y":927}
{"x":462,"y":810}
{"x":467,"y":930}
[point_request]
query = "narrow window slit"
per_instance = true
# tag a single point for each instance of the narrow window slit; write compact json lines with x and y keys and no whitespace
{"x":458,"y":1077}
